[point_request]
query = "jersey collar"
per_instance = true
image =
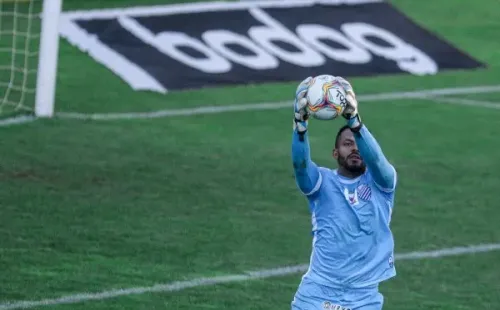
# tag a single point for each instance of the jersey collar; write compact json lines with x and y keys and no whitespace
{"x":345,"y":180}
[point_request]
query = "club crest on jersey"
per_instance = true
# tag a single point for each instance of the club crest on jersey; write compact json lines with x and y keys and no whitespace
{"x":352,"y":198}
{"x":364,"y":192}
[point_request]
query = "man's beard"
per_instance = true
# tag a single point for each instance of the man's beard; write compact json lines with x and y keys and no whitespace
{"x":358,"y":167}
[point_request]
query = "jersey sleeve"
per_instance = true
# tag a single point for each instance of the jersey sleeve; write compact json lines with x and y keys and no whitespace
{"x":383,"y":172}
{"x":307,"y":173}
{"x":392,"y":188}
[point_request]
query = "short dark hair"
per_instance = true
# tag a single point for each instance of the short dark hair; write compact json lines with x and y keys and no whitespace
{"x":337,"y":138}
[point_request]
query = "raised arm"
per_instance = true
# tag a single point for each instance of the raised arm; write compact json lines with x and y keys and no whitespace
{"x":382,"y":171}
{"x":307,"y":175}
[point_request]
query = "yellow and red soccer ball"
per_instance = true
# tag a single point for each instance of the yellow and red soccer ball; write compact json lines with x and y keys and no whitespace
{"x":326,"y":98}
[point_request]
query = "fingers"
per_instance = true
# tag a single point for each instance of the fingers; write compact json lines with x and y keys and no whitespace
{"x":351,"y":109}
{"x":351,"y":99}
{"x":302,"y":88}
{"x":346,"y":85}
{"x":301,"y":103}
{"x":306,"y":81}
{"x":301,"y":113}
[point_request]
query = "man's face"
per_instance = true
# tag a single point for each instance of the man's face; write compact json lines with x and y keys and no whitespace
{"x":347,"y":155}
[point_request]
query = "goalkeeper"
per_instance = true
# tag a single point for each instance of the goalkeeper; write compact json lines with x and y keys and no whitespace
{"x":351,"y":207}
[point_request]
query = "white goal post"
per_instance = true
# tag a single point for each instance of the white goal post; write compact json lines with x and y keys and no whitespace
{"x":47,"y":60}
{"x":29,"y":47}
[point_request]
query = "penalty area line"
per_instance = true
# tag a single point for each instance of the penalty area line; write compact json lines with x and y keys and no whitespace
{"x":209,"y":281}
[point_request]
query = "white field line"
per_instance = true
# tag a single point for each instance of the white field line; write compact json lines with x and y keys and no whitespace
{"x":420,"y":94}
{"x":251,"y":275}
{"x":16,"y":120}
{"x":468,"y":102}
{"x":428,"y":94}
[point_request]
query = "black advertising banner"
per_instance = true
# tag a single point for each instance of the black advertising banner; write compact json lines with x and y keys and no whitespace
{"x":196,"y":45}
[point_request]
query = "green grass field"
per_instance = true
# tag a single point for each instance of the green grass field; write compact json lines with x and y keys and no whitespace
{"x":90,"y":206}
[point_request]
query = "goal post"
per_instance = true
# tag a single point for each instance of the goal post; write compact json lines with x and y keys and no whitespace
{"x":29,"y":47}
{"x":48,"y":58}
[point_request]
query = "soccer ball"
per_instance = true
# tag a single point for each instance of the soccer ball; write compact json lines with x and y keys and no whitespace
{"x":326,"y":98}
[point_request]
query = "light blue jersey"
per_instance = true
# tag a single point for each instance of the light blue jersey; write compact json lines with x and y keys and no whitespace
{"x":352,"y":248}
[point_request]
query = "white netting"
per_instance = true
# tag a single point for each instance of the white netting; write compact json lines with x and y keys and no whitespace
{"x":19,"y":42}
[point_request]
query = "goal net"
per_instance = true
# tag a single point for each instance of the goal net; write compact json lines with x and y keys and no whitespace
{"x":27,"y":68}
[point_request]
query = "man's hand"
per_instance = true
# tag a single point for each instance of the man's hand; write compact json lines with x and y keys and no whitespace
{"x":351,"y":111}
{"x":300,"y":112}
